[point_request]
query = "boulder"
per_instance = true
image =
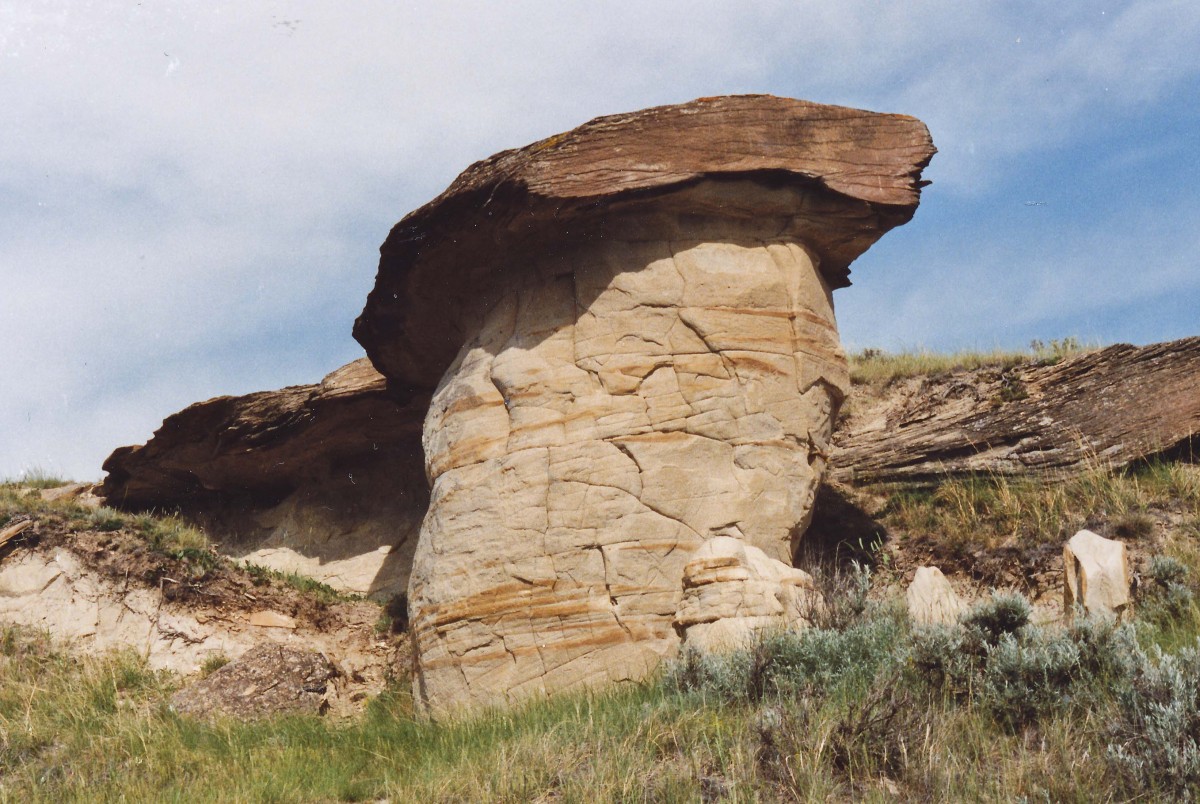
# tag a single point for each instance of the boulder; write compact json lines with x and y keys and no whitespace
{"x":267,"y":680}
{"x":629,"y":338}
{"x":325,"y":480}
{"x":733,"y":591}
{"x":931,"y":599}
{"x":1096,"y":575}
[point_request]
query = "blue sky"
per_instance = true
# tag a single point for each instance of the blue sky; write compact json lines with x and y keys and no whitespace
{"x":192,"y":194}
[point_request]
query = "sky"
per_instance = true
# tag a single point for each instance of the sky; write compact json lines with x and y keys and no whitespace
{"x":193,"y":194}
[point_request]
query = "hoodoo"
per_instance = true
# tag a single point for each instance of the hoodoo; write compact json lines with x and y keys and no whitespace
{"x":630,"y":339}
{"x":625,"y":341}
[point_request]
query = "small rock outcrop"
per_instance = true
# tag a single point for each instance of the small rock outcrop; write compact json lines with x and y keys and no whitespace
{"x":629,"y":336}
{"x":733,"y":591}
{"x":324,"y":480}
{"x":931,"y":600}
{"x":1096,"y":575}
{"x":1106,"y":408}
{"x":267,"y":680}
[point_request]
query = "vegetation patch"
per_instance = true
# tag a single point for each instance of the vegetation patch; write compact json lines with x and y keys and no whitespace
{"x":878,"y":367}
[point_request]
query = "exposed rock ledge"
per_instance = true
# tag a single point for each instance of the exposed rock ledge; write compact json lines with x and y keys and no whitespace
{"x":1104,"y":408}
{"x":325,"y":480}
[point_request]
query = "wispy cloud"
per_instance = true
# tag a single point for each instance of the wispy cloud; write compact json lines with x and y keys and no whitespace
{"x":192,"y":195}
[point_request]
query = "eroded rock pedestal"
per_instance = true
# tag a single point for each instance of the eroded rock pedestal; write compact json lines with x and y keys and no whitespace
{"x":627,"y":402}
{"x":627,"y":336}
{"x":632,"y":334}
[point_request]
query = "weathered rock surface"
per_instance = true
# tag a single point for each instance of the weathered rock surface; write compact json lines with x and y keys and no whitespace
{"x":1096,"y":575}
{"x":931,"y":600}
{"x":625,"y":339}
{"x":631,"y":332}
{"x":733,"y":591}
{"x":830,"y":177}
{"x":324,"y":480}
{"x":267,"y":680}
{"x":95,"y":611}
{"x":1103,"y":408}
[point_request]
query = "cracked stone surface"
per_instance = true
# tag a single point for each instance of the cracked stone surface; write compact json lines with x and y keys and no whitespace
{"x":629,"y":335}
{"x":624,"y":339}
{"x":733,"y":591}
{"x":628,"y":403}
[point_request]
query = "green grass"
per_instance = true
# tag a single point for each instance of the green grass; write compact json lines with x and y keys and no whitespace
{"x":88,"y":729}
{"x":311,"y":587}
{"x":876,"y":367}
{"x":38,"y":478}
{"x":988,"y":510}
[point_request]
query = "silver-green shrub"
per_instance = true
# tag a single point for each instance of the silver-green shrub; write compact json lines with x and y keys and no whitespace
{"x":1156,"y":736}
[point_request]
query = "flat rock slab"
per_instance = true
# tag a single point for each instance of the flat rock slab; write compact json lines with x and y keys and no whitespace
{"x":858,"y":172}
{"x":324,"y":480}
{"x":1104,"y":408}
{"x":267,"y":680}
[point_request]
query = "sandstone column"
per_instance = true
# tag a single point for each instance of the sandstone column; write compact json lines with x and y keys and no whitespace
{"x":632,"y":337}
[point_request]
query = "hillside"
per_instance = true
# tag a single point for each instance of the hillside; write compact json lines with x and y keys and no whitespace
{"x":1012,"y":704}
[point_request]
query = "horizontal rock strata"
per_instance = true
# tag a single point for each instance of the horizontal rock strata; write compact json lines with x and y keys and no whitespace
{"x":631,"y":333}
{"x":733,"y":592}
{"x":607,"y":420}
{"x":1104,"y":408}
{"x":325,"y":480}
{"x":618,"y":351}
{"x":846,"y":177}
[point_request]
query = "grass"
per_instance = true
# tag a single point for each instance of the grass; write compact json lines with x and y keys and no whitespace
{"x":86,"y":729}
{"x":876,"y":367}
{"x":38,"y":478}
{"x":989,"y":510}
{"x":311,"y":587}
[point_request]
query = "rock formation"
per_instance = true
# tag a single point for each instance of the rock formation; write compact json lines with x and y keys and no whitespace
{"x":324,"y":480}
{"x":1104,"y":408}
{"x":732,"y":591}
{"x":625,"y":339}
{"x":930,"y":598}
{"x":630,"y":340}
{"x":1096,"y":575}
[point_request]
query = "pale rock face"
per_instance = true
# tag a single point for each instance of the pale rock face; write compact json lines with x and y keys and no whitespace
{"x":1096,"y":575}
{"x":931,"y":599}
{"x":734,"y":591}
{"x":623,"y":404}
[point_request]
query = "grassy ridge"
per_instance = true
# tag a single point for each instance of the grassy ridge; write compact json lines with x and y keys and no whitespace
{"x":877,"y":367}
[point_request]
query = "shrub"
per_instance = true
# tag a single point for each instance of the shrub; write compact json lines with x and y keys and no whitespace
{"x":1020,"y":673}
{"x":879,"y":730}
{"x":1167,"y":601}
{"x":1024,"y":680}
{"x":1162,"y":571}
{"x":1005,"y":613}
{"x":1156,"y":735}
{"x":723,"y":676}
{"x":843,"y":596}
{"x":815,"y":660}
{"x":821,"y":658}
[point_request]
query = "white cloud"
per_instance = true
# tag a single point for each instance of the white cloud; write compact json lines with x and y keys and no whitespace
{"x":192,"y":192}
